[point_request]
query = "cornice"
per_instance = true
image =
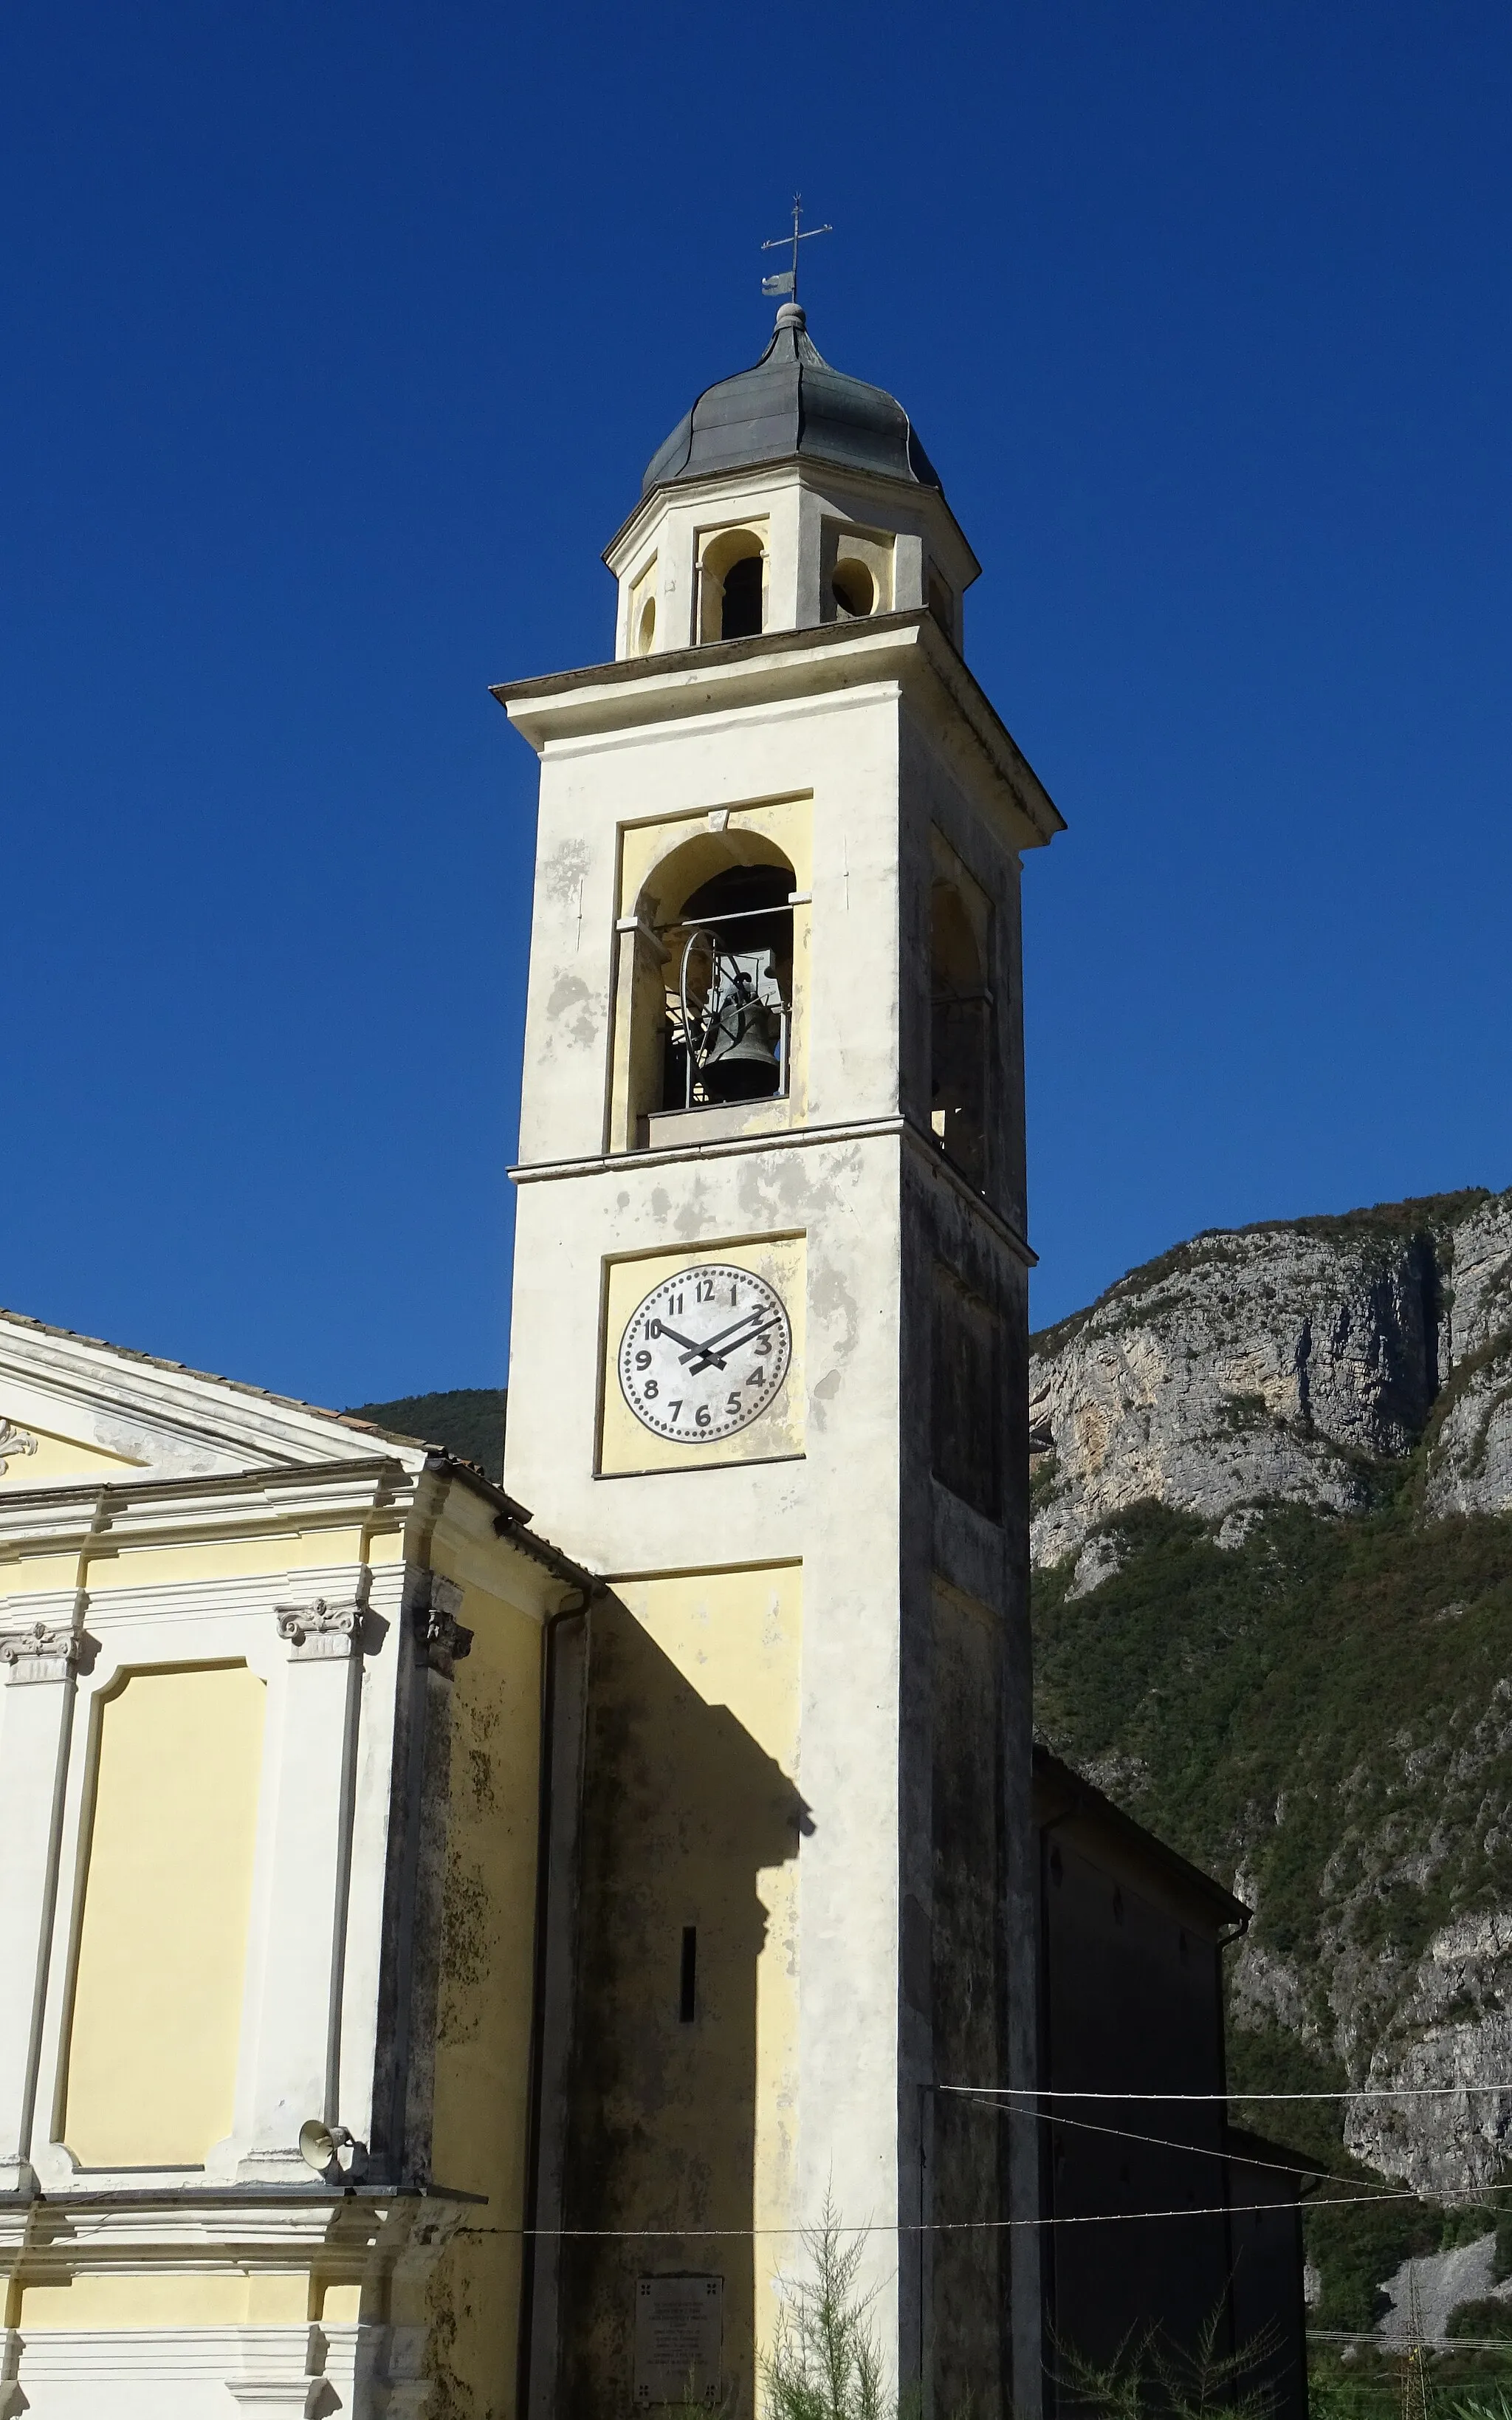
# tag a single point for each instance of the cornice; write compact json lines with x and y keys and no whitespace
{"x":622,"y":1163}
{"x":906,"y":650}
{"x":202,"y":2227}
{"x":154,"y":1509}
{"x":724,"y":1147}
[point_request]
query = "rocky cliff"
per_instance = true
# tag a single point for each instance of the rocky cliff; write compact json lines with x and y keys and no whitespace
{"x":1272,"y":1536}
{"x":1294,"y":1364}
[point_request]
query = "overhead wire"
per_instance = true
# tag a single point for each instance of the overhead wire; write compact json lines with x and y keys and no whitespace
{"x":1235,"y":2093}
{"x":1170,"y":2143}
{"x":929,"y":2226}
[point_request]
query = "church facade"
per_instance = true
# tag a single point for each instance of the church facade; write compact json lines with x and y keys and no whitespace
{"x":447,"y":1971}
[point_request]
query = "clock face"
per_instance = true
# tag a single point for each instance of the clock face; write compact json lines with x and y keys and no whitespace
{"x":705,"y":1353}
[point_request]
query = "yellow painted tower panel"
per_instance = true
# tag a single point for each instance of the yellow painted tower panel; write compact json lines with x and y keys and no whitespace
{"x":685,"y":2080}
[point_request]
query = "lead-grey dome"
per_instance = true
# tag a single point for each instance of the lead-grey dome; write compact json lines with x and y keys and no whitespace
{"x":792,"y":402}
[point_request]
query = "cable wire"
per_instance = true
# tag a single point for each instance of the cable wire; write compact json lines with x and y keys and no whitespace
{"x":1202,"y":2150}
{"x":924,"y":2227}
{"x":1352,"y":2092}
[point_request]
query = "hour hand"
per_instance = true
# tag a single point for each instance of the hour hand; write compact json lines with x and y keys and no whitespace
{"x":660,"y":1328}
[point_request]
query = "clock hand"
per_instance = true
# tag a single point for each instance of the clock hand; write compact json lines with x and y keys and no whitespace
{"x":660,"y":1328}
{"x":712,"y":1343}
{"x":733,"y":1340}
{"x":711,"y":1357}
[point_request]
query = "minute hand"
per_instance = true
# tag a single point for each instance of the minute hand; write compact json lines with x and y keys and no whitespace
{"x":730,"y":1340}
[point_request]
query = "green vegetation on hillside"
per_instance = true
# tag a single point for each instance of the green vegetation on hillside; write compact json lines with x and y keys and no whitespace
{"x":1323,"y":1716}
{"x":469,"y":1421}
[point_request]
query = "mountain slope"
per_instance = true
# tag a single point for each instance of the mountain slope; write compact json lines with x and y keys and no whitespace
{"x":468,"y":1420}
{"x":1273,"y":1481}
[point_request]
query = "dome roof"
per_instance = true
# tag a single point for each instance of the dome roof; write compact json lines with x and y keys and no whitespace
{"x":792,"y":402}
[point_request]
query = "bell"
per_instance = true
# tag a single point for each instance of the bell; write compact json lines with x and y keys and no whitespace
{"x":740,"y":1059}
{"x":737,"y":1037}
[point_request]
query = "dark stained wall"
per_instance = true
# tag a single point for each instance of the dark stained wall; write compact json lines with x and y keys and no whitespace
{"x":1152,"y":2235}
{"x":1131,"y":2003}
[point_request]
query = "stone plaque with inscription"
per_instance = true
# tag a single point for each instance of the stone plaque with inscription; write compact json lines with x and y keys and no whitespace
{"x":679,"y":2324}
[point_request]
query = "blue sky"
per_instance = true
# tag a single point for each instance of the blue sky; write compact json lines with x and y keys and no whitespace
{"x":336,"y":340}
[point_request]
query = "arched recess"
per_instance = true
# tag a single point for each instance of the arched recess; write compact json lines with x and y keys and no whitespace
{"x":960,"y":1018}
{"x":732,"y":584}
{"x":714,"y":930}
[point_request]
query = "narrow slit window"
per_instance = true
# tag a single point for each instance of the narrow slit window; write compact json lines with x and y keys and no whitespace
{"x":688,"y":1980}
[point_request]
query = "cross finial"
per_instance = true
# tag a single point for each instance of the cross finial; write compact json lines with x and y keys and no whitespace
{"x":786,"y":280}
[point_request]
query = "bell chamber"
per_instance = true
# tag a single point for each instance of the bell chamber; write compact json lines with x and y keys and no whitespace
{"x":730,"y":989}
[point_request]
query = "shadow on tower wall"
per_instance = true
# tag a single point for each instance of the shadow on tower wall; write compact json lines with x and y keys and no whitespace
{"x":683,"y":1813}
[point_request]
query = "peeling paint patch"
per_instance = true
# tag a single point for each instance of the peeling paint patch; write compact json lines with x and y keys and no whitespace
{"x":564,"y":874}
{"x":570,"y":997}
{"x":835,"y":1303}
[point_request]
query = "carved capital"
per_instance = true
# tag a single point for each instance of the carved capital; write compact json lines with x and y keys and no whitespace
{"x":14,"y":1441}
{"x":41,"y":1652}
{"x":319,"y":1631}
{"x":440,"y":1639}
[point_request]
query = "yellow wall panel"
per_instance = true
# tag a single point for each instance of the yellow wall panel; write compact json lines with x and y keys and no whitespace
{"x":692,"y":1823}
{"x":736,"y":1636}
{"x":157,"y":2007}
{"x":168,"y":2298}
{"x":221,"y":1557}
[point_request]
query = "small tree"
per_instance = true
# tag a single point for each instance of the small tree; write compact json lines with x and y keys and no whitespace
{"x":1149,"y":2375}
{"x":825,"y":2362}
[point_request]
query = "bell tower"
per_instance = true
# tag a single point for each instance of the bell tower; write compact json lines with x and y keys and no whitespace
{"x":768,"y":1378}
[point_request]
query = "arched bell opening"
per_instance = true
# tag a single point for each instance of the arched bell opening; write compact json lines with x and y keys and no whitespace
{"x":732,"y":585}
{"x":740,"y":607}
{"x":730,"y":1007}
{"x":712,"y":1014}
{"x":960,"y":1027}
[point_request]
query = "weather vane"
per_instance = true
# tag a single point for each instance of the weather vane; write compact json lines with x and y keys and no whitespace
{"x":785,"y":281}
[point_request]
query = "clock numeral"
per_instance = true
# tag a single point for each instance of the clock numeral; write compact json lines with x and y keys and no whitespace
{"x":653,"y":1329}
{"x":731,"y":1406}
{"x":762,"y":1345}
{"x":705,"y":1290}
{"x":676,"y":1409}
{"x":735,"y":1295}
{"x":643,"y":1360}
{"x":652,"y":1388}
{"x":757,"y":1378}
{"x":702,"y":1415}
{"x":677,"y":1304}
